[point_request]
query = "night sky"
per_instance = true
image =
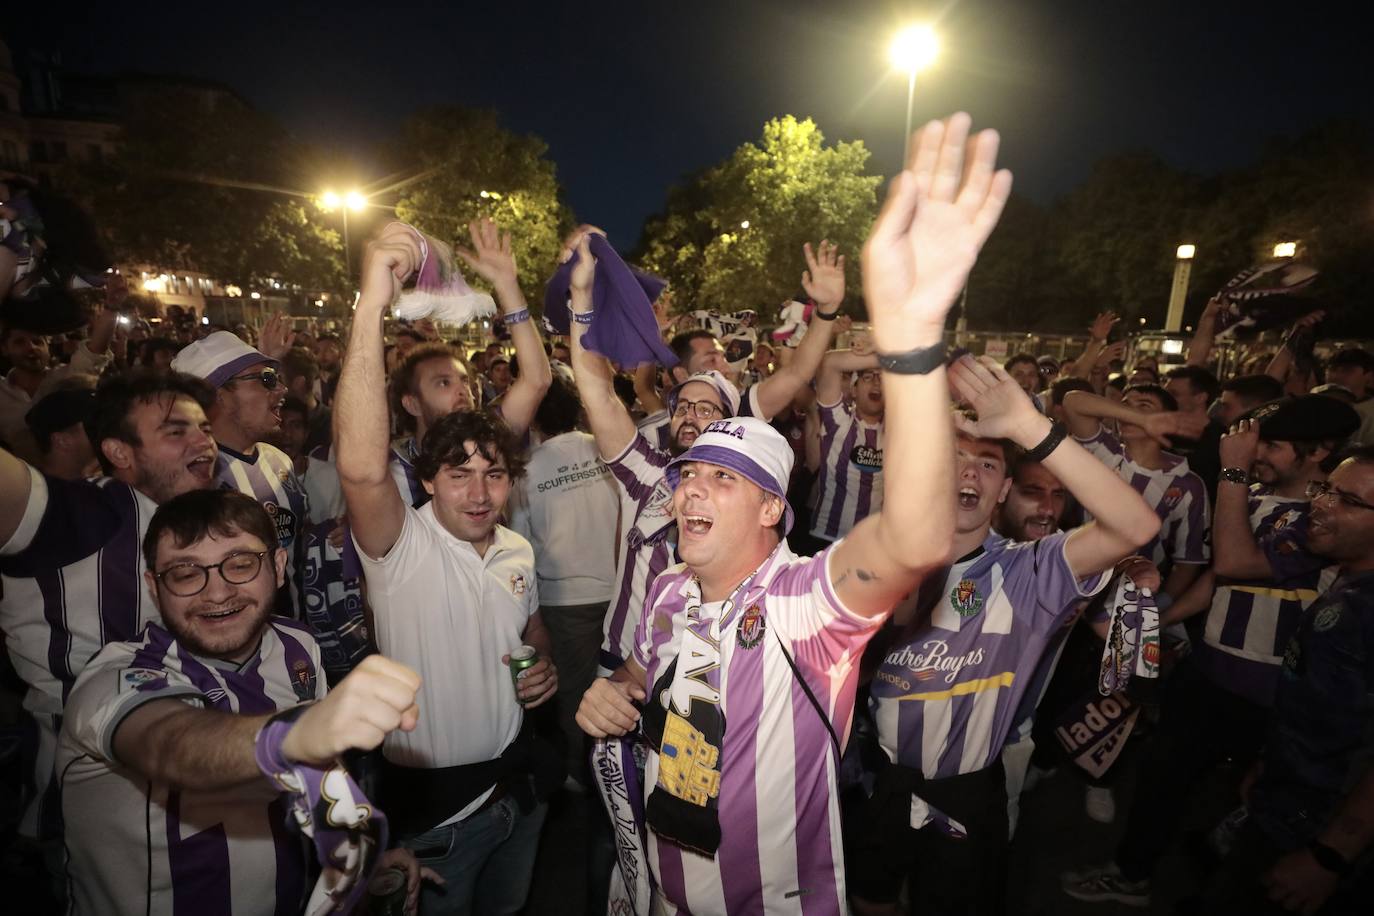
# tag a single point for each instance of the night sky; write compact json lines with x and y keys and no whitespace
{"x":632,"y":96}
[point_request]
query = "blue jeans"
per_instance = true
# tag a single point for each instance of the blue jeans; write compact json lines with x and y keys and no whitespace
{"x":486,"y":861}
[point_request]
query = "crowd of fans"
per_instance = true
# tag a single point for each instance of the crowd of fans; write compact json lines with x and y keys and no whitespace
{"x":810,"y":610}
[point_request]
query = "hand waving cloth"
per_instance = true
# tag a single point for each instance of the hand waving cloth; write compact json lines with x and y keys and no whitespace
{"x":623,"y":329}
{"x":440,"y":290}
{"x":1132,"y":646}
{"x":1247,"y":305}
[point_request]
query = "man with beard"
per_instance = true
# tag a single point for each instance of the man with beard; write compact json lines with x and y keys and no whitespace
{"x":703,"y":394}
{"x":850,"y":479}
{"x":946,"y":695}
{"x":454,"y":595}
{"x":1305,"y":846}
{"x":433,"y":381}
{"x":246,"y":413}
{"x":1219,"y":701}
{"x":69,"y":549}
{"x":746,"y":657}
{"x":329,"y":356}
{"x":167,"y":807}
{"x":1035,"y":504}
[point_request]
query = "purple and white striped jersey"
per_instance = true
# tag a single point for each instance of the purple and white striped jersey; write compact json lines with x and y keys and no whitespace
{"x":1177,"y":495}
{"x":142,"y":847}
{"x":648,"y":541}
{"x":780,"y":849}
{"x":403,"y":455}
{"x":850,"y":482}
{"x":1251,"y":622}
{"x":72,"y":575}
{"x":946,"y":698}
{"x":269,"y":477}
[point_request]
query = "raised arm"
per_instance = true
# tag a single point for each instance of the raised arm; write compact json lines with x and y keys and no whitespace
{"x":646,"y":390}
{"x":14,"y":494}
{"x":1200,"y":348}
{"x":1235,"y":552}
{"x":491,"y":257}
{"x":1097,"y":342}
{"x":823,"y":281}
{"x":915,"y":262}
{"x":362,"y":425}
{"x":1085,"y":411}
{"x":611,"y":424}
{"x":1123,"y":521}
{"x":830,"y":380}
{"x":170,"y":742}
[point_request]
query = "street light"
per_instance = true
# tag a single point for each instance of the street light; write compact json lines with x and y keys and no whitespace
{"x":1183,"y":268}
{"x":744,"y":224}
{"x":1285,"y":249}
{"x":351,"y":200}
{"x":913,"y":49}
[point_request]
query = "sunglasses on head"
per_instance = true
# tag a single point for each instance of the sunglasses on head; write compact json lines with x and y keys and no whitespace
{"x":268,"y":377}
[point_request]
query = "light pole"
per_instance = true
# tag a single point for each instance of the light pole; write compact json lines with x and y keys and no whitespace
{"x":352,"y":200}
{"x":913,"y":49}
{"x":1183,"y":268}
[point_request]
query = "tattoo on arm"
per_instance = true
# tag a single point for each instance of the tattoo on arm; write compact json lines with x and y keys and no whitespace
{"x":863,"y":575}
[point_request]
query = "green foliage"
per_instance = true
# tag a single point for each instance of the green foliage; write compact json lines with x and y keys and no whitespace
{"x":791,"y":188}
{"x":162,"y":198}
{"x":467,"y":152}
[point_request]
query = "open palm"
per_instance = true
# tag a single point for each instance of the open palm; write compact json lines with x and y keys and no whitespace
{"x":823,"y":278}
{"x":491,"y":255}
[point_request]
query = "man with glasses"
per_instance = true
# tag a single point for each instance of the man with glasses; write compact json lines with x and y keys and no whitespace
{"x":166,"y":806}
{"x":1220,"y":700}
{"x":850,"y":481}
{"x":247,"y":412}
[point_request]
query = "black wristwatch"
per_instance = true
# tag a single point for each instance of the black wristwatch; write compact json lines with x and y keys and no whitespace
{"x":914,"y":362}
{"x":1329,"y":859}
{"x":1236,"y":475}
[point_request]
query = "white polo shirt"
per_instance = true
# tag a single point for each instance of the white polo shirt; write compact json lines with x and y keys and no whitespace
{"x":451,"y":615}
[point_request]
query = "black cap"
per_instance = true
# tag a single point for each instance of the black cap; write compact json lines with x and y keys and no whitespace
{"x":1309,"y":418}
{"x":59,"y":410}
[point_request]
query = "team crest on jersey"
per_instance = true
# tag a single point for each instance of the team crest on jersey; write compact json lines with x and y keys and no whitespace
{"x":1171,"y":497}
{"x":1326,"y":618}
{"x":517,"y":584}
{"x":303,"y":680}
{"x":966,"y":599}
{"x":144,"y":679}
{"x":752,"y":626}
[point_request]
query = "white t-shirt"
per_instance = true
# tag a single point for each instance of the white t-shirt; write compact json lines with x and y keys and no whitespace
{"x":323,"y":490}
{"x":451,"y":615}
{"x":567,"y":507}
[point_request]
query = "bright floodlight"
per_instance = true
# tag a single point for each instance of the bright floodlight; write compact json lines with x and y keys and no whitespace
{"x":1285,"y":249}
{"x":1186,"y":252}
{"x":914,"y":49}
{"x":329,"y":200}
{"x":744,"y":224}
{"x":355,"y":201}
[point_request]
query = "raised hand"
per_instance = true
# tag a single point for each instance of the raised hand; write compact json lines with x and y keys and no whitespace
{"x":387,"y":261}
{"x":1163,"y":427}
{"x":1102,"y":325}
{"x":490,"y":256}
{"x":937,"y":216}
{"x":276,"y":336}
{"x":1142,"y":572}
{"x":377,"y":697}
{"x":1240,"y":445}
{"x":584,"y":271}
{"x":823,"y":278}
{"x":1004,"y":410}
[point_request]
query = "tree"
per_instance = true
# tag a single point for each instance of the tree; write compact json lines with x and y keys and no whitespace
{"x":473,"y":167}
{"x":173,"y":194}
{"x":789,"y":188}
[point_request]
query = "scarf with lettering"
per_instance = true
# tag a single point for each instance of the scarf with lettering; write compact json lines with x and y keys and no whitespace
{"x":440,"y":290}
{"x":1247,"y":307}
{"x":682,"y":807}
{"x":326,"y":805}
{"x":618,"y":768}
{"x":1132,"y":647}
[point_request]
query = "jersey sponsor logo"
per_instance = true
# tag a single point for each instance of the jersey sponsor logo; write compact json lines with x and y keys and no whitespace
{"x":285,"y":520}
{"x":143,"y":679}
{"x":965,"y":598}
{"x":1326,"y":618}
{"x":931,"y":660}
{"x":868,"y":460}
{"x":752,"y":626}
{"x":303,"y":680}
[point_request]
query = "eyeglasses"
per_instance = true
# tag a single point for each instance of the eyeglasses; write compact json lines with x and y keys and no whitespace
{"x":870,"y":375}
{"x":268,"y":377}
{"x":1319,"y":490}
{"x":187,"y":579}
{"x":702,"y":410}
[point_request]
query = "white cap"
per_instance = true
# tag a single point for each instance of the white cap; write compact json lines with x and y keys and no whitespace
{"x":218,"y":358}
{"x":747,"y":446}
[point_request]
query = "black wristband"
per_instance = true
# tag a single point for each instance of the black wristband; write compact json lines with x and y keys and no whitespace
{"x":831,"y":317}
{"x":1049,"y":443}
{"x":1236,"y":475}
{"x":1329,"y":859}
{"x":914,"y":362}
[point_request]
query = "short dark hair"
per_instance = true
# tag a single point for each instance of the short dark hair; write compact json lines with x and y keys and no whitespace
{"x":403,"y":379}
{"x":1021,"y":358}
{"x":299,"y":362}
{"x":155,"y":345}
{"x":443,"y":444}
{"x":681,"y":344}
{"x":1154,"y":373}
{"x":295,"y":405}
{"x":1166,"y":400}
{"x":329,"y":336}
{"x":117,"y":396}
{"x":560,"y":410}
{"x":1010,"y":450}
{"x":499,"y":361}
{"x":197,"y":513}
{"x":1201,"y":379}
{"x":1357,"y":357}
{"x":1062,"y":386}
{"x":1256,"y":389}
{"x":413,"y":334}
